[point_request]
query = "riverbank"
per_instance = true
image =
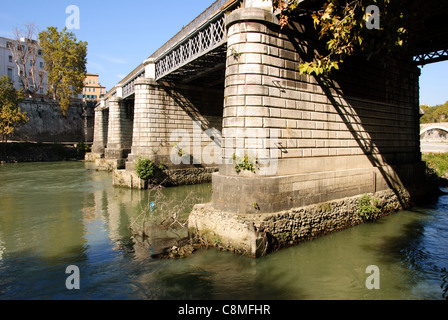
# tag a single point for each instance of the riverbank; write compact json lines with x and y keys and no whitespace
{"x":437,"y":163}
{"x":15,"y":152}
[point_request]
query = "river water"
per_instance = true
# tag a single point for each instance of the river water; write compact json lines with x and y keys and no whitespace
{"x":53,"y":215}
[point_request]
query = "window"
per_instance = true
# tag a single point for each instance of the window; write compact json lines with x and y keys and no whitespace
{"x":39,"y":52}
{"x":41,"y":65}
{"x":10,"y":73}
{"x":8,"y":45}
{"x":10,"y":58}
{"x":41,"y":90}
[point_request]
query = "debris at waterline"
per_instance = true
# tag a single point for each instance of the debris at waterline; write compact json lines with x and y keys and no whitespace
{"x":161,"y":225}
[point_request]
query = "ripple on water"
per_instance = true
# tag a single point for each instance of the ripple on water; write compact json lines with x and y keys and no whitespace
{"x":54,"y":215}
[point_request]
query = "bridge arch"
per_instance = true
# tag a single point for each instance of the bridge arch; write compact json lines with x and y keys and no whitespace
{"x":435,"y":127}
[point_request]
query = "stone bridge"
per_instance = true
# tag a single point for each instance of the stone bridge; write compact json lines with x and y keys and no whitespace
{"x":426,"y":127}
{"x":223,"y":101}
{"x":433,"y":137}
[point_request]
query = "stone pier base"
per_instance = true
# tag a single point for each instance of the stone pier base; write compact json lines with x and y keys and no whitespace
{"x":92,"y":157}
{"x":128,"y":179}
{"x":109,"y":164}
{"x":173,"y":177}
{"x":255,"y":235}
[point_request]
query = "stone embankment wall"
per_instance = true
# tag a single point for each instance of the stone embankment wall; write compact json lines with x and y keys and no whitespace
{"x":47,"y":124}
{"x":38,"y":152}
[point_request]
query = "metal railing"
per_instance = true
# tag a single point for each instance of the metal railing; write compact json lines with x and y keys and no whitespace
{"x":202,"y":35}
{"x":206,"y":39}
{"x":129,"y":87}
{"x":205,"y":33}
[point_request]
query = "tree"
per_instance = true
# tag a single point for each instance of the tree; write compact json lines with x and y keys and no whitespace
{"x":25,"y":51}
{"x":433,"y":114}
{"x":10,"y":114}
{"x":65,"y":61}
{"x":441,"y":113}
{"x":342,"y":28}
{"x":428,"y":114}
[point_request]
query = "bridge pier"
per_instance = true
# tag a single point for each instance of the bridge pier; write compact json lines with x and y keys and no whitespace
{"x":291,"y":154}
{"x":173,"y":123}
{"x":119,"y":137}
{"x":99,"y":133}
{"x":292,"y":141}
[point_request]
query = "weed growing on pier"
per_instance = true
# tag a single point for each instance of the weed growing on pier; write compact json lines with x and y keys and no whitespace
{"x":146,"y":169}
{"x":244,"y":163}
{"x":235,"y":54}
{"x":367,"y":207}
{"x":180,"y":152}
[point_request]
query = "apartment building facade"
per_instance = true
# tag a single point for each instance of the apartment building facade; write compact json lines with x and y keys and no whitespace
{"x":93,"y":90}
{"x":8,"y":65}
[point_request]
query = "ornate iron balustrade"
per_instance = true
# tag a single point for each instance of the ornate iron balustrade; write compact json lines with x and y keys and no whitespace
{"x":129,"y":86}
{"x":200,"y":42}
{"x":204,"y":40}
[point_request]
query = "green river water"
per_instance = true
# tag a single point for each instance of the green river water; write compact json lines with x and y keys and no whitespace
{"x":53,"y":215}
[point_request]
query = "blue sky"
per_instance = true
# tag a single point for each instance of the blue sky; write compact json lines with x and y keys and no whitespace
{"x":122,"y":34}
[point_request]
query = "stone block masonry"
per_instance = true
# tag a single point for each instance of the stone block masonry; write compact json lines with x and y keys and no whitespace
{"x":113,"y":134}
{"x":173,"y":124}
{"x":119,"y":137}
{"x":166,"y":115}
{"x":354,"y":133}
{"x":100,"y":132}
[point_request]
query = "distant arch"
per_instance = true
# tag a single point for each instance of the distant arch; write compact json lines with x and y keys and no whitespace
{"x":433,"y":128}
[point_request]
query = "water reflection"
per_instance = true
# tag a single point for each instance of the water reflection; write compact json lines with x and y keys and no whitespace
{"x":2,"y":248}
{"x":55,"y":215}
{"x":409,"y":256}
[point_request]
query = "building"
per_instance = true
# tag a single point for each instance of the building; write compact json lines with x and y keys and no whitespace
{"x":8,"y":66}
{"x":92,"y":90}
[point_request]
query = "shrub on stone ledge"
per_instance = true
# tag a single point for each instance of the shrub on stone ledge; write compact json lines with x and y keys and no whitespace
{"x":146,"y":169}
{"x":368,"y":207}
